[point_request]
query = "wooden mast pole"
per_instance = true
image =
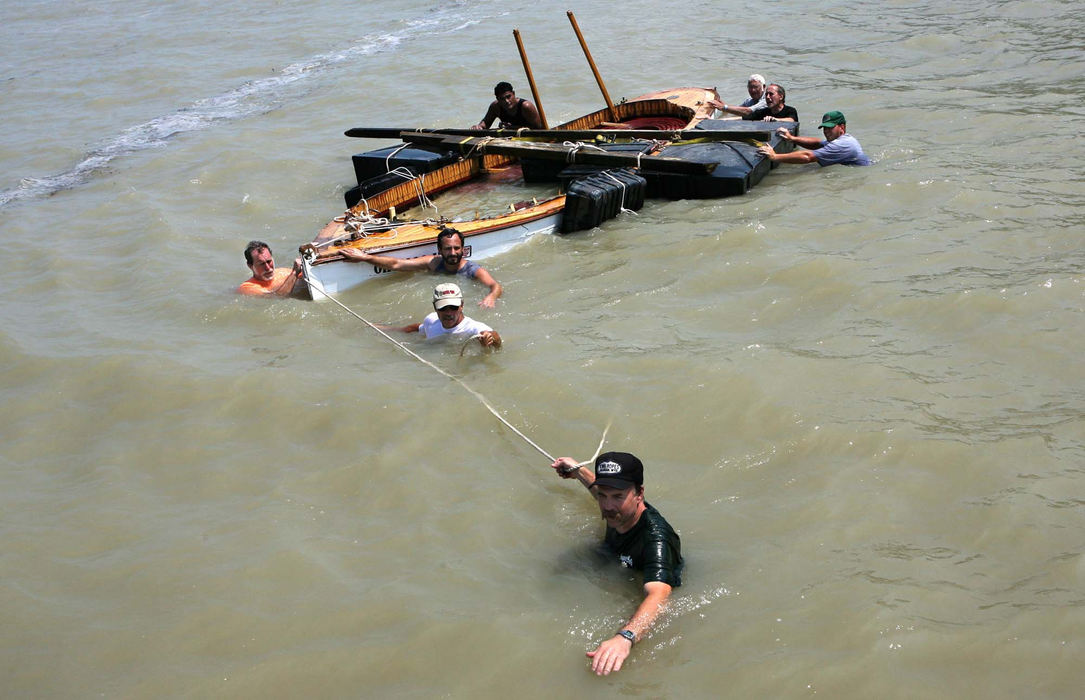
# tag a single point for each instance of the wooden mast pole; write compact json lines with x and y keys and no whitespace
{"x":598,"y":78}
{"x":530,"y":77}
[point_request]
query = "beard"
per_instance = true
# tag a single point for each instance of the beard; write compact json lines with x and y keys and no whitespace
{"x":451,"y":261}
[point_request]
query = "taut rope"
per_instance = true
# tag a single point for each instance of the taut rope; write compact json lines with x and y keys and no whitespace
{"x":477,"y":395}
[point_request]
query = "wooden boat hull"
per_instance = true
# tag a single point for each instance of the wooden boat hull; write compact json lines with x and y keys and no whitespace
{"x":686,"y":104}
{"x":328,"y":272}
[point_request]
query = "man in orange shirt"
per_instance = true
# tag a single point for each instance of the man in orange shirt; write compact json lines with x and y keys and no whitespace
{"x":266,"y":278}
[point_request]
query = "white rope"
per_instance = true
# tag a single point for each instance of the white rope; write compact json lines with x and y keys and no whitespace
{"x":419,"y":185}
{"x":459,"y":381}
{"x":463,"y":347}
{"x":365,"y":224}
{"x":621,"y":206}
{"x":598,"y":449}
{"x":478,"y":145}
{"x":368,"y":226}
{"x":388,"y":159}
{"x":575,"y":146}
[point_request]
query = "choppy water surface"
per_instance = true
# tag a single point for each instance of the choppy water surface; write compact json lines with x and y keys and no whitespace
{"x":856,"y":391}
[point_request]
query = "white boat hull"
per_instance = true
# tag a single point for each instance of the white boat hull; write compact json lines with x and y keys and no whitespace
{"x":328,"y":278}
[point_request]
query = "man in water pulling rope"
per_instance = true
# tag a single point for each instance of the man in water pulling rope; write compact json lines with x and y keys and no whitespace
{"x":448,"y":261}
{"x":638,"y":535}
{"x":266,"y":278}
{"x":448,"y":319}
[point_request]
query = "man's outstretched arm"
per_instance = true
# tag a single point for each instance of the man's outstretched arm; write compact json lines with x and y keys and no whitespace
{"x":609,"y":655}
{"x":495,"y":288}
{"x":387,"y":261}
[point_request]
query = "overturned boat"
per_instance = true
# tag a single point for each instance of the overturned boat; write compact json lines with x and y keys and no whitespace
{"x":394,"y":178}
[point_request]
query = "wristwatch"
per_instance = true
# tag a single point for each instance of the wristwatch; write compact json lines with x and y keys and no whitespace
{"x":628,"y":634}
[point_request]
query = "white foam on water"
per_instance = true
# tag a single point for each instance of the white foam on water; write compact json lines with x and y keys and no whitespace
{"x":252,"y":98}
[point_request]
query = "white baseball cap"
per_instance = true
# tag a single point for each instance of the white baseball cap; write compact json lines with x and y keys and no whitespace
{"x":447,"y":294}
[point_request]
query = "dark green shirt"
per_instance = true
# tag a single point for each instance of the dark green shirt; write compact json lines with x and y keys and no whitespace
{"x":652,"y":546}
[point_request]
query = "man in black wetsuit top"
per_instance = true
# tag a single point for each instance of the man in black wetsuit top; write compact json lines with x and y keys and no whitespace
{"x":640,"y":538}
{"x":514,"y":112}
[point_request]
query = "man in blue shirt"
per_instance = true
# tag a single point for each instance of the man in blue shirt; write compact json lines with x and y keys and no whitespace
{"x":838,"y":147}
{"x":449,"y":260}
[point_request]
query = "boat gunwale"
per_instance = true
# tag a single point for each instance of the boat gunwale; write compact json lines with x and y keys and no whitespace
{"x":670,"y":102}
{"x":473,"y":167}
{"x":526,"y":215}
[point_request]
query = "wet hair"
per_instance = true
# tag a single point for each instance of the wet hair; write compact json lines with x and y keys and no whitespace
{"x":780,"y":89}
{"x":501,"y":88}
{"x":448,"y":233}
{"x":254,"y":247}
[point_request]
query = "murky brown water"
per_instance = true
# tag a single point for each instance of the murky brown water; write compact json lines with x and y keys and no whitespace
{"x":857,"y":392}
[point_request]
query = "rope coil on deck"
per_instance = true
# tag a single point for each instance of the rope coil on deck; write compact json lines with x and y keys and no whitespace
{"x":366,"y":225}
{"x":360,"y":222}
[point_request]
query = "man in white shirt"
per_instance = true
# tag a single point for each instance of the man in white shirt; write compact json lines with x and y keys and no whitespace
{"x":756,"y":87}
{"x":448,"y":319}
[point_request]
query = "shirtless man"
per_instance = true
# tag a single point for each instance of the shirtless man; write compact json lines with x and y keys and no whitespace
{"x":448,"y":261}
{"x":513,"y":112}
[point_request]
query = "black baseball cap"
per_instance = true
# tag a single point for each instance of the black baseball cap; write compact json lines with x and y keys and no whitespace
{"x":618,"y":470}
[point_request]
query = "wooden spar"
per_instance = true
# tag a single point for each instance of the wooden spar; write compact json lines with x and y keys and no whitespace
{"x":598,"y":78}
{"x":762,"y":134}
{"x":647,"y":106}
{"x":553,"y":151}
{"x":530,"y":77}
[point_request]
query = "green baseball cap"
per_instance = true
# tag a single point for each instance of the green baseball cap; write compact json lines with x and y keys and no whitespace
{"x":831,"y":119}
